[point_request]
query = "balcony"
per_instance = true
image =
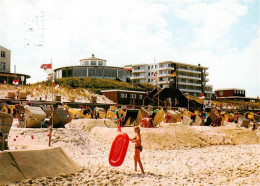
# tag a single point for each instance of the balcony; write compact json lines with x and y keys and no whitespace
{"x":189,"y":77}
{"x":138,"y":71}
{"x":165,"y":68}
{"x":192,"y":84}
{"x":190,"y":71}
{"x":209,"y":92}
{"x":164,"y":75}
{"x":138,"y":77}
{"x":190,"y":90}
{"x":206,"y":79}
{"x":164,"y":82}
{"x":206,"y":74}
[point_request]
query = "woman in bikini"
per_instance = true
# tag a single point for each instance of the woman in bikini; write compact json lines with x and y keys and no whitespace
{"x":138,"y":149}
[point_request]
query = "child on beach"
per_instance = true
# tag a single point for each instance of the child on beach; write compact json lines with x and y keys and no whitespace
{"x":138,"y":149}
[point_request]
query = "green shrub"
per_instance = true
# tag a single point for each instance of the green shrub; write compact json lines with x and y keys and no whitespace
{"x":98,"y":84}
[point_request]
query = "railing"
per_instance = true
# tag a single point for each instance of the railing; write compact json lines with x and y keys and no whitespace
{"x":164,"y":75}
{"x":166,"y":68}
{"x":191,"y":71}
{"x":137,"y":71}
{"x":138,"y":77}
{"x":193,"y":84}
{"x":189,"y":77}
{"x":190,"y":90}
{"x":164,"y":82}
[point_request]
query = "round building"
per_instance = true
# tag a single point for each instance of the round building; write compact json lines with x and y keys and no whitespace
{"x":92,"y":67}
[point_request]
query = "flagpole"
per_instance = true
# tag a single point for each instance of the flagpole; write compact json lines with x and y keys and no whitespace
{"x":52,"y":110}
{"x":157,"y":82}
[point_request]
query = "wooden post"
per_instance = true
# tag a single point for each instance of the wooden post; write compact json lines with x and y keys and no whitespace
{"x":52,"y":110}
{"x":3,"y":140}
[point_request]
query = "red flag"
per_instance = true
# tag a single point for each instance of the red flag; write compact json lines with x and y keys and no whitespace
{"x":16,"y":81}
{"x":46,"y":66}
{"x":202,"y":96}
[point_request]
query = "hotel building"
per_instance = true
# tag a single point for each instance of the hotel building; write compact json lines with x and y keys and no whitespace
{"x":191,"y":79}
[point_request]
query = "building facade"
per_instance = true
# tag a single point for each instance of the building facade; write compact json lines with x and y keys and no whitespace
{"x":232,"y":92}
{"x":5,"y":60}
{"x":125,"y":97}
{"x":93,"y":67}
{"x":5,"y":69}
{"x":189,"y":79}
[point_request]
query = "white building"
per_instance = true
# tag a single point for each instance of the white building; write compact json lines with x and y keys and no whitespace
{"x":190,"y":79}
{"x":5,"y":68}
{"x":92,"y":67}
{"x":5,"y":60}
{"x":93,"y":61}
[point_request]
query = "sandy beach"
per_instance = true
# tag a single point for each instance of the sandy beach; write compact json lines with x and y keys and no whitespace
{"x":173,"y":154}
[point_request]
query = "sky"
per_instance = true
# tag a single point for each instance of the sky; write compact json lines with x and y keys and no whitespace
{"x":223,"y":35}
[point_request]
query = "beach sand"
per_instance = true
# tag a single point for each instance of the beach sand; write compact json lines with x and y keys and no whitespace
{"x":173,"y":154}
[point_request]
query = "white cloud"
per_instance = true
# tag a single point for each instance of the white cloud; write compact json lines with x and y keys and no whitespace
{"x":212,"y":20}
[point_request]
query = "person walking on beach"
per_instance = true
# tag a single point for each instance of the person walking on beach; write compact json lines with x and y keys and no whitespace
{"x":138,"y":149}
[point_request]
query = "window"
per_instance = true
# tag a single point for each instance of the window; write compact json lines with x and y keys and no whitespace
{"x":149,"y":74}
{"x":140,"y":96}
{"x":123,"y":95}
{"x":221,"y":93}
{"x":133,"y":96}
{"x":94,"y":63}
{"x":3,"y":54}
{"x":155,"y":66}
{"x":2,"y":66}
{"x":100,"y":63}
{"x":148,"y":67}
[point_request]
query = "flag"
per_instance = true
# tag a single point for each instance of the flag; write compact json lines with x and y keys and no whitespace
{"x":46,"y":66}
{"x":128,"y":68}
{"x":173,"y":74}
{"x":202,"y":96}
{"x":154,"y":76}
{"x":16,"y":81}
